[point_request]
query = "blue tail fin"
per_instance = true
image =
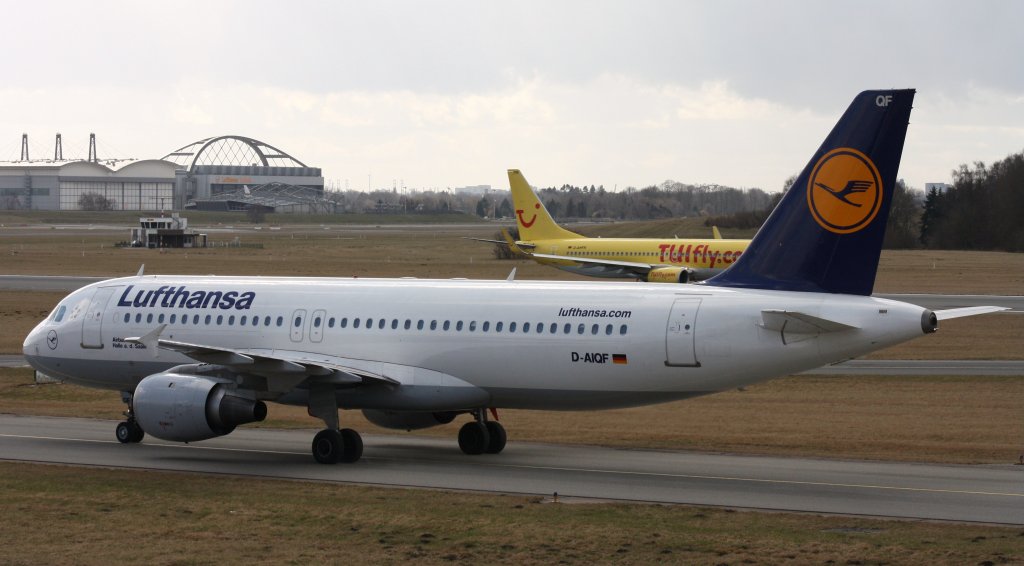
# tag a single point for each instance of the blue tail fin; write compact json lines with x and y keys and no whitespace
{"x":826,"y":234}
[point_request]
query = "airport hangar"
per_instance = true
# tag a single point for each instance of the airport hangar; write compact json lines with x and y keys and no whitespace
{"x":219,"y":173}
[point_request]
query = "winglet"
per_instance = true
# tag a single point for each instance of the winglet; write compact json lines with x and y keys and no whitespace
{"x":142,"y":268}
{"x":512,"y":275}
{"x":715,"y":233}
{"x":512,"y":244}
{"x":151,"y":340}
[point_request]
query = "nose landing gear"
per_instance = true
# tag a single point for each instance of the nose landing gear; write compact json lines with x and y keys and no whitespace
{"x":129,"y":431}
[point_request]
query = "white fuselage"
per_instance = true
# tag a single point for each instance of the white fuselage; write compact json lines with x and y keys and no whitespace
{"x":544,"y":345}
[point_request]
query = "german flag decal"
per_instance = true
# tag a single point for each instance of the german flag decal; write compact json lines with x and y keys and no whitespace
{"x":619,"y":359}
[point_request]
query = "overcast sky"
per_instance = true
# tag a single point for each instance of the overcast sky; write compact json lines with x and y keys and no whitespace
{"x":451,"y":93}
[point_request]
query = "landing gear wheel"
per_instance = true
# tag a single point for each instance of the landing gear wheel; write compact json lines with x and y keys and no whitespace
{"x":352,"y":446}
{"x":497,"y":437}
{"x":473,"y":438}
{"x":328,"y":446}
{"x":129,"y":432}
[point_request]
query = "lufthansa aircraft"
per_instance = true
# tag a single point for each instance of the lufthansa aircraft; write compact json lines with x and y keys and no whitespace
{"x":196,"y":356}
{"x":647,"y":259}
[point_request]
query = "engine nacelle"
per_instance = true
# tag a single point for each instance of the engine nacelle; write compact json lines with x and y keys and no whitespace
{"x":404,"y":420}
{"x":186,"y":408}
{"x":670,"y":275}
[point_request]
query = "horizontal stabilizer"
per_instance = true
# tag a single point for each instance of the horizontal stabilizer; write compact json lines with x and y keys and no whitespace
{"x":966,"y":311}
{"x":792,"y":322}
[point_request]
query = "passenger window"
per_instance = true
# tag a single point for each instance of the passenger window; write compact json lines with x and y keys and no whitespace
{"x":173,"y":318}
{"x":369,"y":323}
{"x":458,"y":326}
{"x":241,"y":322}
{"x":149,"y":317}
{"x":316,"y":322}
{"x":160,"y":318}
{"x":540,"y":328}
{"x":581,"y":328}
{"x":408,"y":324}
{"x":355,"y":323}
{"x":419,"y":325}
{"x":447,"y":325}
{"x":554,"y":328}
{"x":330,"y":322}
{"x":511,"y":327}
{"x":255,"y":320}
{"x":526,"y":327}
{"x":208,"y":319}
{"x":280,"y":321}
{"x":381,"y":323}
{"x":498,"y":326}
{"x":231,"y":320}
{"x":433,"y":325}
{"x":567,"y":329}
{"x":593,"y":329}
{"x":195,"y":319}
{"x":297,"y":323}
{"x":220,"y":319}
{"x":344,"y":322}
{"x":472,"y":326}
{"x":622,"y":330}
{"x":266,"y":321}
{"x":608,"y":330}
{"x":394,"y":324}
{"x":487,"y":326}
{"x":127,"y":317}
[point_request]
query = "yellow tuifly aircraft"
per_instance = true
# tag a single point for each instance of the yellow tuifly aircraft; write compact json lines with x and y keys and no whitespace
{"x":648,"y":259}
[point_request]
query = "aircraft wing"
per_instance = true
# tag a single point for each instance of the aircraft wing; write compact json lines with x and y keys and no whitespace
{"x":272,"y":363}
{"x":284,"y":366}
{"x":639,"y":268}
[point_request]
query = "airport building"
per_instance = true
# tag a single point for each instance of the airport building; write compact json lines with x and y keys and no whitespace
{"x":213,"y":170}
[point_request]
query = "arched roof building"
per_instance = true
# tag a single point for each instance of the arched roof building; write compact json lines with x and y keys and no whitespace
{"x":195,"y":172}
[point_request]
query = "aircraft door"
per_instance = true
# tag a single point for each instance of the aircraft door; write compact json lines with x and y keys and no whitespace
{"x":680,"y":335}
{"x":92,"y":324}
{"x":316,"y":325}
{"x":298,"y":329}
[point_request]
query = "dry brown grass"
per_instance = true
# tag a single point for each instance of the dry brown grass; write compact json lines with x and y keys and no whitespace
{"x":57,"y":515}
{"x":433,"y":251}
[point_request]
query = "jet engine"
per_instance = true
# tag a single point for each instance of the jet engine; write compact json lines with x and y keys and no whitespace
{"x":186,"y":408}
{"x":670,"y":275}
{"x":408,"y":420}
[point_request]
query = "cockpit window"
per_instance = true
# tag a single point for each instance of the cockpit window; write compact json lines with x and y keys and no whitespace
{"x":59,"y":313}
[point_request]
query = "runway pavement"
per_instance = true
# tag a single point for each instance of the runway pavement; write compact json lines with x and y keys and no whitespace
{"x":988,"y":494}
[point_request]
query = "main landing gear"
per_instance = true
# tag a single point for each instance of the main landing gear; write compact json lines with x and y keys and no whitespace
{"x":129,"y":431}
{"x":482,"y":435}
{"x":331,"y":445}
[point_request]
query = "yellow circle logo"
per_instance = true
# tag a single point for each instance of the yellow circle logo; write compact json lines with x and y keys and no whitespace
{"x":845,"y":191}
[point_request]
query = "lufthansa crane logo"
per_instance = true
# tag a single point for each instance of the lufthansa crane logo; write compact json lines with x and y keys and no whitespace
{"x":845,"y":191}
